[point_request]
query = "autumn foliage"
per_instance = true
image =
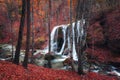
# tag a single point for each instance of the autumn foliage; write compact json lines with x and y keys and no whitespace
{"x":9,"y":71}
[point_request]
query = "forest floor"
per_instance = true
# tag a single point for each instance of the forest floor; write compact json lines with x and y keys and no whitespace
{"x":10,"y":71}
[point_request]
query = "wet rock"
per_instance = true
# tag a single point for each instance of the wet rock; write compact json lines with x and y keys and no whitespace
{"x":6,"y":51}
{"x":115,"y":64}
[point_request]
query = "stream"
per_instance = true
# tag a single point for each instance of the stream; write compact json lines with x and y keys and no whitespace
{"x":67,"y":42}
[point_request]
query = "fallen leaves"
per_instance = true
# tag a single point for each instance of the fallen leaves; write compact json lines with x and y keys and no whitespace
{"x":10,"y":71}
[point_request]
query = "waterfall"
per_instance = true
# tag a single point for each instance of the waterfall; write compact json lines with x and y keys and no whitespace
{"x":68,"y":43}
{"x":54,"y":42}
{"x":66,"y":37}
{"x":64,"y":29}
{"x":74,"y":53}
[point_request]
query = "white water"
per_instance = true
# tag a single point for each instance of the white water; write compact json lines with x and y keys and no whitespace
{"x":64,"y":28}
{"x":66,"y":38}
{"x":53,"y":44}
{"x":74,"y":53}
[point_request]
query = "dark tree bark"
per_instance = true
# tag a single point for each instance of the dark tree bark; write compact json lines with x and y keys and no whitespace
{"x":25,"y":62}
{"x":49,"y":25}
{"x":12,"y":40}
{"x":79,"y":10}
{"x":19,"y":42}
{"x":32,"y":18}
{"x":82,"y":13}
{"x":71,"y":15}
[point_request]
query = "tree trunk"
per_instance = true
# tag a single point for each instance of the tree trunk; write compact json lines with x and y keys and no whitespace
{"x":80,"y":58}
{"x":70,"y":29}
{"x":25,"y":62}
{"x":49,"y":25}
{"x":19,"y":42}
{"x":12,"y":40}
{"x":79,"y":10}
{"x":32,"y":18}
{"x":82,"y":13}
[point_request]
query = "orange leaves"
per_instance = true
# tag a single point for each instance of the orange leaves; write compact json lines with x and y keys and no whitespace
{"x":15,"y":72}
{"x":101,"y":54}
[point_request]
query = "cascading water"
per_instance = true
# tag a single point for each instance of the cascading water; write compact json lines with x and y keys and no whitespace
{"x":74,"y":53}
{"x":54,"y":35}
{"x":53,"y":41}
{"x":66,"y":38}
{"x":64,"y":29}
{"x":69,"y":40}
